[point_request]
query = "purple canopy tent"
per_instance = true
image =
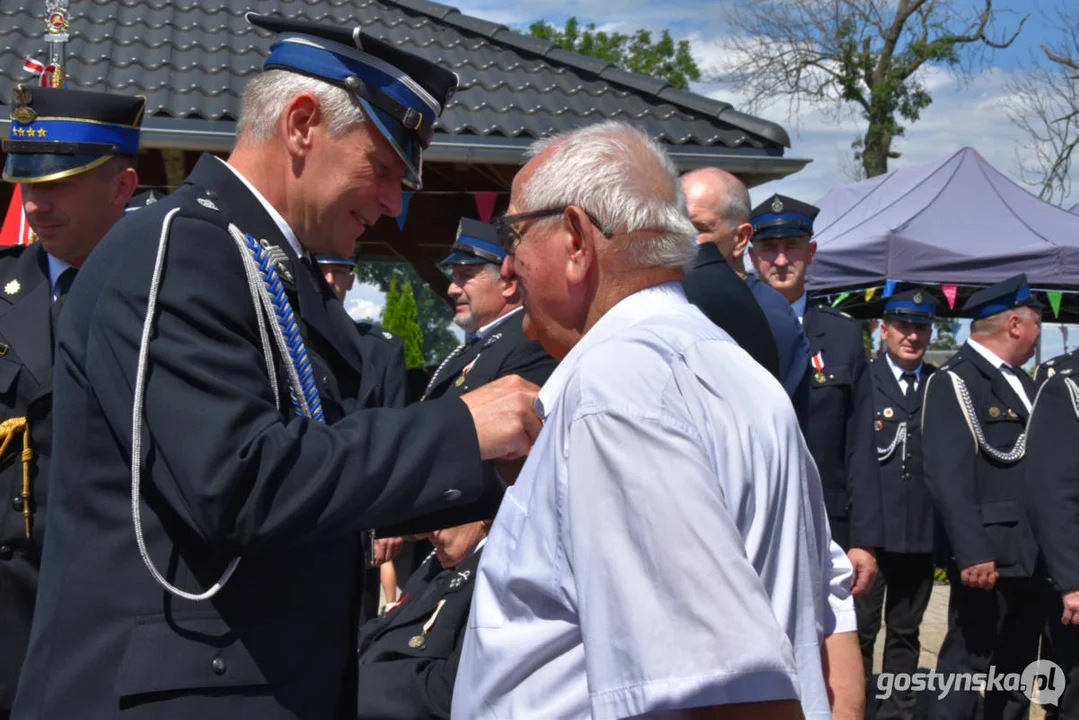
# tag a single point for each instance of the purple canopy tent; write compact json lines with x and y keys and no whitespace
{"x":1074,"y":209}
{"x":957,"y":220}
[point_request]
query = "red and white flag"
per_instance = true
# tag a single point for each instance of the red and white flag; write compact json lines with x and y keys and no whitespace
{"x":43,"y":71}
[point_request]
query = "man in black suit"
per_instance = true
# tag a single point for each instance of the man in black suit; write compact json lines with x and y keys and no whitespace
{"x":217,"y":458}
{"x":70,"y":201}
{"x":409,"y":656}
{"x":1051,"y":497}
{"x":973,"y":420}
{"x":905,"y":581}
{"x":718,"y":205}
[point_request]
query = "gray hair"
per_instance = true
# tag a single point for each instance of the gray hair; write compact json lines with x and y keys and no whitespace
{"x":268,"y":94}
{"x":734,"y":204}
{"x":626,"y":180}
{"x":994,"y":323}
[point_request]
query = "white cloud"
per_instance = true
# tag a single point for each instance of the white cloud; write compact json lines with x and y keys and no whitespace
{"x":360,"y":309}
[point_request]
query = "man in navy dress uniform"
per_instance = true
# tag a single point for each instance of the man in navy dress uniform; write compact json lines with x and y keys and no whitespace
{"x":217,"y":456}
{"x":974,"y":416}
{"x":840,"y":433}
{"x":1052,"y":502}
{"x":73,"y":155}
{"x":905,"y":581}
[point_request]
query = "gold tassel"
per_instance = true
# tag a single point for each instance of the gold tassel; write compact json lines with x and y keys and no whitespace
{"x":9,"y":429}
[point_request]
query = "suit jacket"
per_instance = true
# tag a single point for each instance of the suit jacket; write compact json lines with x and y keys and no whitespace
{"x":398,"y":680}
{"x":225,"y":474}
{"x":977,"y":497}
{"x":795,"y":371}
{"x":25,"y":391}
{"x":715,"y":288}
{"x":384,"y":358}
{"x":841,"y":433}
{"x":908,"y":523}
{"x":1051,"y":493}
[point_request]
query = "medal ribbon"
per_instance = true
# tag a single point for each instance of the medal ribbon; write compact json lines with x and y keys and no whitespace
{"x":818,"y":361}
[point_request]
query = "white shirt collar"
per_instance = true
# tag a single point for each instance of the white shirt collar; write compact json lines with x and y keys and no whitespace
{"x":898,"y":371}
{"x":486,"y":329}
{"x":799,"y":306}
{"x":56,"y":267}
{"x":272,"y":211}
{"x":625,"y":313}
{"x":988,"y":354}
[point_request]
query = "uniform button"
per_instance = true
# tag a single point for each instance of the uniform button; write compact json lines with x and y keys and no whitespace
{"x":219,"y":666}
{"x":211,"y":194}
{"x":451,"y":495}
{"x":6,"y":552}
{"x":17,"y":504}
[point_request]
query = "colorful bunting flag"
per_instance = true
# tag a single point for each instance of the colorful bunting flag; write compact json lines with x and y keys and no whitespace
{"x":406,"y":198}
{"x":1055,"y":297}
{"x":15,"y":231}
{"x":889,"y":288}
{"x":840,"y":298}
{"x":870,"y":293}
{"x":485,"y":204}
{"x":950,"y":293}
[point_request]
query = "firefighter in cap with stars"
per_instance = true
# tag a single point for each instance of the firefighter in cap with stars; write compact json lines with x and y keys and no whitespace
{"x":72,"y":154}
{"x":974,"y":417}
{"x":216,"y":459}
{"x":902,"y":588}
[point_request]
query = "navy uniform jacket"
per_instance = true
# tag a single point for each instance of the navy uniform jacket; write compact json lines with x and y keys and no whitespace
{"x":25,"y":391}
{"x":841,"y":437}
{"x":384,"y":356}
{"x":977,"y":497}
{"x":225,"y":474}
{"x":715,"y":288}
{"x":1052,"y":472}
{"x":403,"y":680}
{"x":908,"y":522}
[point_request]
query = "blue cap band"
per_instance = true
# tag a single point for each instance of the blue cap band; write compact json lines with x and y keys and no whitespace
{"x":1007,"y":302}
{"x":47,"y":130}
{"x":482,"y":245}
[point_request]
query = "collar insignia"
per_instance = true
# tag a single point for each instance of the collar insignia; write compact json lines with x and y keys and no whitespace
{"x":279,"y":259}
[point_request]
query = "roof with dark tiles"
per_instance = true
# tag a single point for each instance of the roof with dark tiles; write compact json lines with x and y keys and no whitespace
{"x":191,"y":59}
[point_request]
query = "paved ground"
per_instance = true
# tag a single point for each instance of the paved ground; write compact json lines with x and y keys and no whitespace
{"x":934,"y":625}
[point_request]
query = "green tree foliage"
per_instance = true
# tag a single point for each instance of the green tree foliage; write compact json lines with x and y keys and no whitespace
{"x":865,"y":56}
{"x":400,"y":318}
{"x":433,"y":313}
{"x":663,"y":58}
{"x":943,"y":337}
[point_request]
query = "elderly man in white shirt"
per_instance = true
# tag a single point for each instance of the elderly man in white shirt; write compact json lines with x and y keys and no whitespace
{"x":664,"y":552}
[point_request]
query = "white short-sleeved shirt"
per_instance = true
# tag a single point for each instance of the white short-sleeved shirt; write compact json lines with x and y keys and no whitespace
{"x":662,"y":547}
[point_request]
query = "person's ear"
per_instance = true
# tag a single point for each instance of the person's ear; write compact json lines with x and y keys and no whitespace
{"x":579,"y":242}
{"x":298,"y":121}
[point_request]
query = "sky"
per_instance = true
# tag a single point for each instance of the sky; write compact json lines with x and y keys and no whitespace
{"x":965,"y":112}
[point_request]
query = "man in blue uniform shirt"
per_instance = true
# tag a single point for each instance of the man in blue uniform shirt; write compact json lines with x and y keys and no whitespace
{"x":217,"y":454}
{"x":905,"y":581}
{"x":974,"y":417}
{"x":73,"y":155}
{"x":718,"y":205}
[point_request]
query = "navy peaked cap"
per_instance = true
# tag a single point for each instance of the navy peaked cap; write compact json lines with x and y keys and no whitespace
{"x":477,"y":242}
{"x":918,"y":306}
{"x":1006,"y":294}
{"x":781,"y":216}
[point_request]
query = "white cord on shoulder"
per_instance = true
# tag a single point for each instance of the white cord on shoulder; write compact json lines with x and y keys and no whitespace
{"x":263,"y":312}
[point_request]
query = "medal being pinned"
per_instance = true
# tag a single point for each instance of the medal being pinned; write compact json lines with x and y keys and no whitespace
{"x":818,"y":365}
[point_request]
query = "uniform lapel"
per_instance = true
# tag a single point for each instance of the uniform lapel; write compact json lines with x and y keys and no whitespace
{"x":927,"y":370}
{"x":24,"y":323}
{"x":311,"y":307}
{"x":814,"y":329}
{"x":886,"y":381}
{"x":999,"y":385}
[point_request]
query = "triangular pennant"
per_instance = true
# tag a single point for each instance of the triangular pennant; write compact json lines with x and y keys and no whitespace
{"x":840,"y":298}
{"x":870,"y":293}
{"x":15,"y":231}
{"x":406,"y":198}
{"x":485,"y":204}
{"x":889,"y":288}
{"x":950,"y":292}
{"x":955,"y":327}
{"x":1055,"y":296}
